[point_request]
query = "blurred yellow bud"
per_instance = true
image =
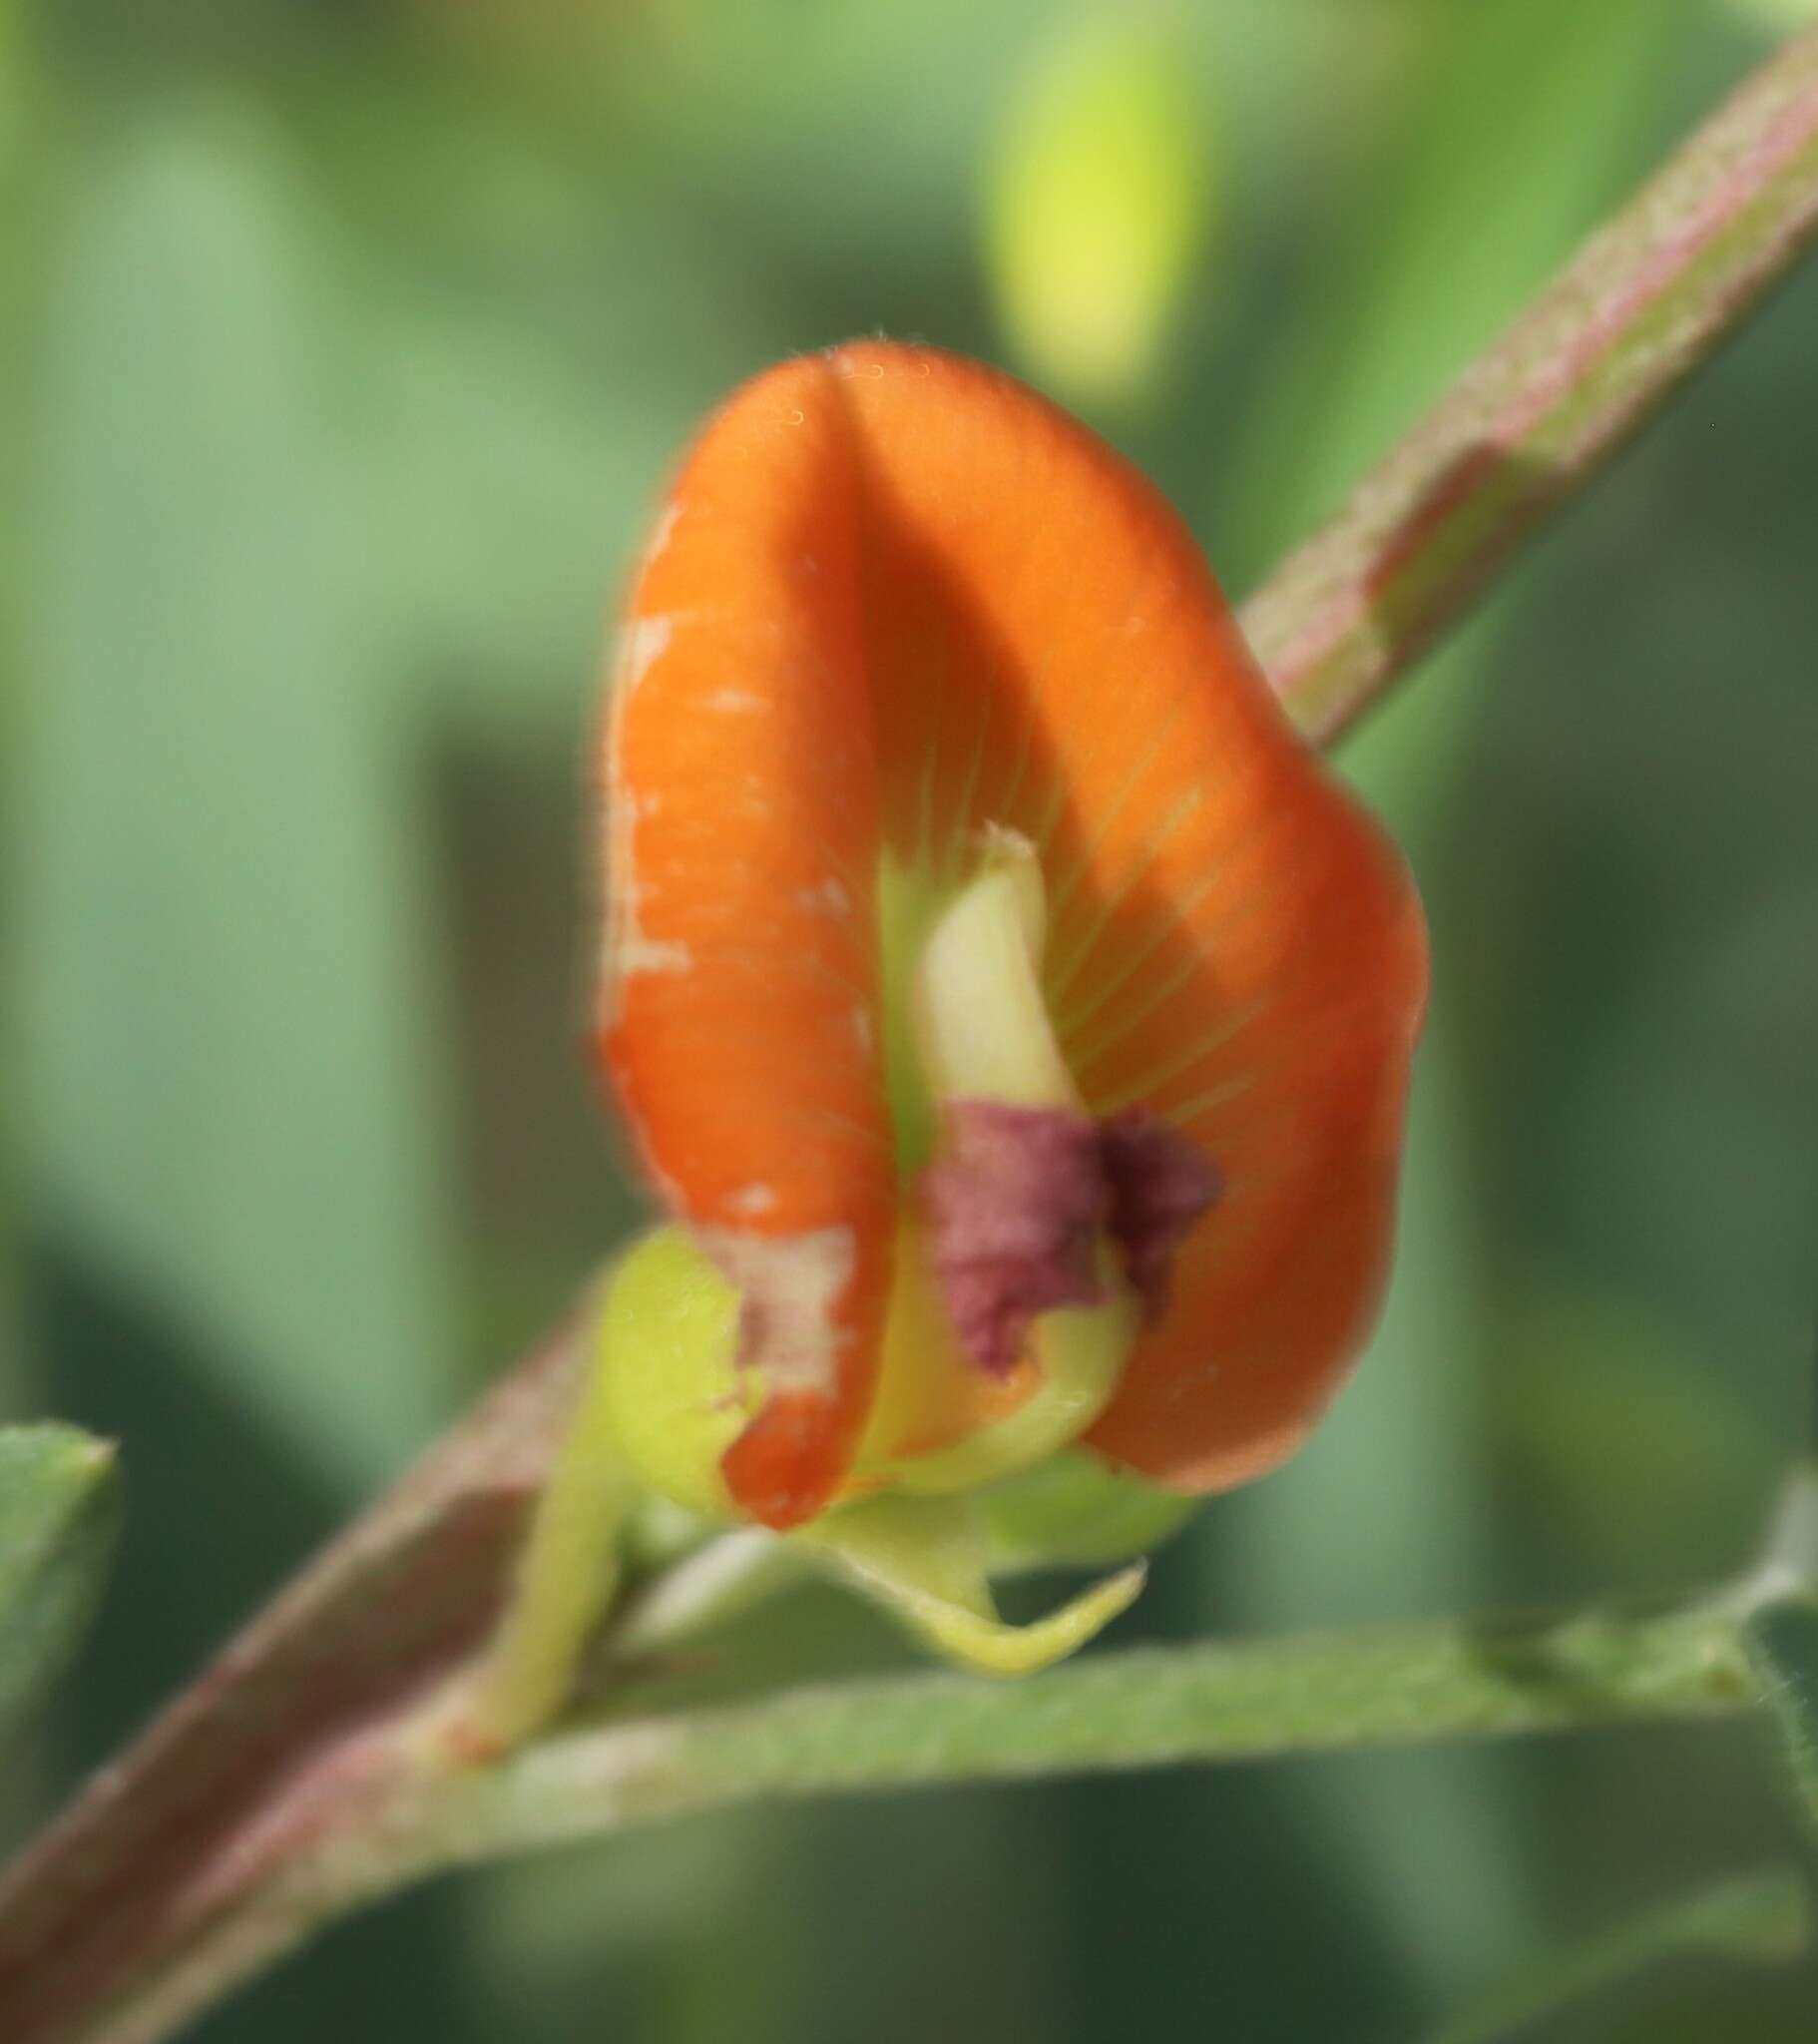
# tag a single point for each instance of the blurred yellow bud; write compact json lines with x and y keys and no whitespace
{"x":1097,"y":199}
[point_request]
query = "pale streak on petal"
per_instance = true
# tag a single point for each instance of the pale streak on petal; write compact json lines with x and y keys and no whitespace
{"x":628,"y":950}
{"x":634,"y":954}
{"x":789,"y":1287}
{"x":664,"y":531}
{"x":641,"y":644}
{"x":831,"y":897}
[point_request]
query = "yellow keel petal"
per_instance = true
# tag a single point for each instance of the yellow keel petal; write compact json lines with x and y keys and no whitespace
{"x":923,"y":1559}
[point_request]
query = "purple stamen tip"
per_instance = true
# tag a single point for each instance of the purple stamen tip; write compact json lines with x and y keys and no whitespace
{"x":1019,"y":1195}
{"x":1014,"y":1202}
{"x":1159,"y":1185}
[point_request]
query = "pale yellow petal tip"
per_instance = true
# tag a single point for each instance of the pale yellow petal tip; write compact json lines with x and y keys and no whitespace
{"x":923,"y":1559}
{"x":989,"y":1647}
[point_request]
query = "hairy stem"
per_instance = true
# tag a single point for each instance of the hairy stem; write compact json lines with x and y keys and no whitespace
{"x":566,"y":1573}
{"x":1648,"y":298}
{"x":1144,"y":1709}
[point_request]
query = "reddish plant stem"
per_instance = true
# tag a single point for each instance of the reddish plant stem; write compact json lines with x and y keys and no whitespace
{"x":1646,"y":300}
{"x":284,"y":1738}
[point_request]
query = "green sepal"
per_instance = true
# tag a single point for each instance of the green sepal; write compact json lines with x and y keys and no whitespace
{"x":1075,"y":1511}
{"x":666,"y":1354}
{"x":923,"y":1559}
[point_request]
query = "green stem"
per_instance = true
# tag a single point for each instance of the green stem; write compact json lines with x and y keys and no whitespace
{"x":566,"y":1579}
{"x":1139,"y":1710}
{"x":1207,"y":1704}
{"x":1648,"y":300}
{"x":1143,"y":1709}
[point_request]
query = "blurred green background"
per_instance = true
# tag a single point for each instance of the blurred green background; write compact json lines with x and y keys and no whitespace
{"x":344,"y":346}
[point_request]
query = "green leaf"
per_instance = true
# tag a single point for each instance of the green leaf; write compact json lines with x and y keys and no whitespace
{"x":232,"y":1068}
{"x":59,"y":1514}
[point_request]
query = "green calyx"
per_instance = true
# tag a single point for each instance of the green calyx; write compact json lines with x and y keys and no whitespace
{"x":1075,"y":1511}
{"x":667,"y":1350}
{"x":672,"y":1397}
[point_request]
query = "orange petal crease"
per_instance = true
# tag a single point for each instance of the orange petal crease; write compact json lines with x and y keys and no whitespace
{"x":895,"y":597}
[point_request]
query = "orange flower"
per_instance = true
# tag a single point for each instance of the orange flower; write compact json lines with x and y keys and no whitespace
{"x":989,"y":967}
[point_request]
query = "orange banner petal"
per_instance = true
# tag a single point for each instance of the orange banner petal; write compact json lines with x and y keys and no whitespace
{"x":895,"y":597}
